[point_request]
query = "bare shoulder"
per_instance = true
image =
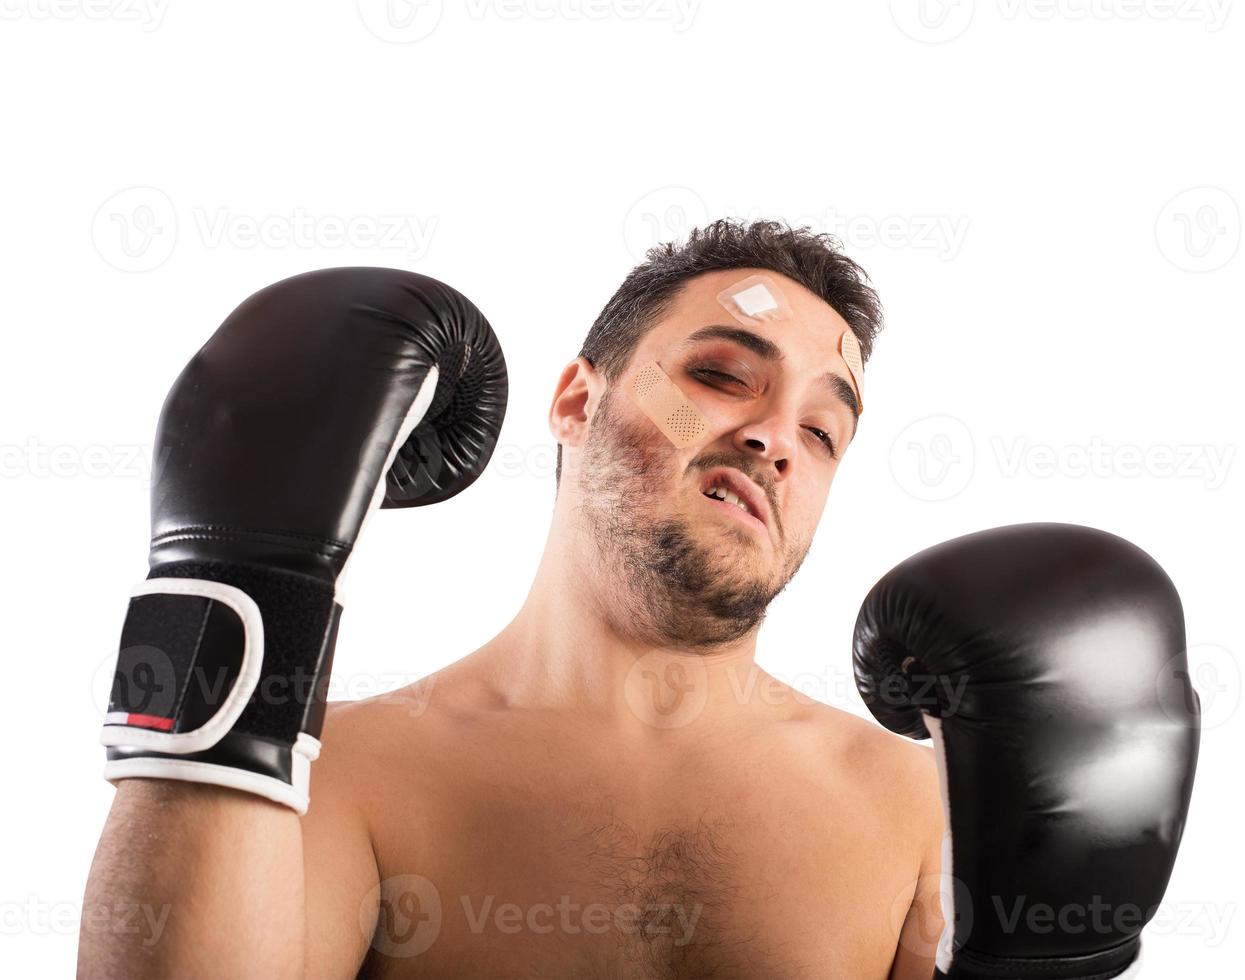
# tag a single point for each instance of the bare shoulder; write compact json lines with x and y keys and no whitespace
{"x":373,"y":789}
{"x":399,"y":737}
{"x":899,"y":772}
{"x":369,"y":734}
{"x":365,"y":755}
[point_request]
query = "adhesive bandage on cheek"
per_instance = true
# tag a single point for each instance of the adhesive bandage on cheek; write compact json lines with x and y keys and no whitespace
{"x":755,"y":300}
{"x":849,"y":350}
{"x":661,"y":400}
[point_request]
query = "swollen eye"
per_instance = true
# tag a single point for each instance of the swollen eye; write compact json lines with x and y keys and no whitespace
{"x":719,"y":376}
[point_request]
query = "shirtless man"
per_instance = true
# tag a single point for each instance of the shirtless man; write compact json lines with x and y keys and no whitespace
{"x":610,"y":787}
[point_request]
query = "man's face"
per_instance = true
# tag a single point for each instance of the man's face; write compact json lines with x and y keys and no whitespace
{"x":682,"y":568}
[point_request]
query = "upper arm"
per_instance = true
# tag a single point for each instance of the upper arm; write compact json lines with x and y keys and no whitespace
{"x":338,"y":860}
{"x":922,"y":925}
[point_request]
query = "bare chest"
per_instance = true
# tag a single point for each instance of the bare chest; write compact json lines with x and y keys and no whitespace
{"x":558,"y":874}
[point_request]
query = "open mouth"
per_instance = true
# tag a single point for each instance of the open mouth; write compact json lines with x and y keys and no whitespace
{"x":721,"y":493}
{"x":735,"y":494}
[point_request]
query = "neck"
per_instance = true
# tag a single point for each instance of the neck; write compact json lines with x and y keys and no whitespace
{"x":565,"y":651}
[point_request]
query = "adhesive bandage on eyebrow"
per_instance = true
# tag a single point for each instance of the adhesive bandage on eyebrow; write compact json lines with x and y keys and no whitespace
{"x":661,"y":400}
{"x":849,"y":350}
{"x":755,"y":300}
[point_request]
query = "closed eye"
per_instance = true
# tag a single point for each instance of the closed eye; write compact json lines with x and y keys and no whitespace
{"x":717,"y":375}
{"x":722,"y":376}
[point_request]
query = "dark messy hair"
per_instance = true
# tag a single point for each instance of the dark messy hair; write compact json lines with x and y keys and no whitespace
{"x":811,"y":259}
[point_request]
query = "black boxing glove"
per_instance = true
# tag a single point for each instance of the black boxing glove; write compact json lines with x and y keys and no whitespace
{"x":317,"y":399}
{"x":1048,"y":663}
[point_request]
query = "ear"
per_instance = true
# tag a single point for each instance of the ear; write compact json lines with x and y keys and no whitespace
{"x":574,"y":401}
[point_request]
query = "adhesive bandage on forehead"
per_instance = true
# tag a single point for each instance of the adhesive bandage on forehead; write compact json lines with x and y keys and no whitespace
{"x":669,"y":409}
{"x":758,"y":300}
{"x":755,"y":301}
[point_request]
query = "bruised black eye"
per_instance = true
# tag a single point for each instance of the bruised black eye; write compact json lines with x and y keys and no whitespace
{"x":716,"y":375}
{"x":722,"y":378}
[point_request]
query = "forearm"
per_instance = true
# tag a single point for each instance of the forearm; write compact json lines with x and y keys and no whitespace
{"x":193,"y":880}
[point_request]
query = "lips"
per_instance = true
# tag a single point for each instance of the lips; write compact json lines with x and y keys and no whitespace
{"x":746,"y":490}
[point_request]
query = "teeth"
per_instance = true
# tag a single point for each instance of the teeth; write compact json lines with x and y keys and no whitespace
{"x":721,"y":493}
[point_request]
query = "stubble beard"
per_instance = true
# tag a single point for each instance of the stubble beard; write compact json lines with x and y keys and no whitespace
{"x":656,"y":579}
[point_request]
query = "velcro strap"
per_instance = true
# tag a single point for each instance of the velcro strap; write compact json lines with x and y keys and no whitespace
{"x":190,"y":659}
{"x":212,"y":647}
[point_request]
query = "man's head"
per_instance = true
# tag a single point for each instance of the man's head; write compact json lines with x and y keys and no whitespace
{"x":779,"y":406}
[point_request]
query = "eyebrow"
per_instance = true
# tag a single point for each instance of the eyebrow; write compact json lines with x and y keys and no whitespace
{"x":767,"y":350}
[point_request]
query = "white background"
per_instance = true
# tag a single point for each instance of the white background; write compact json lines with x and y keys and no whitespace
{"x":1046,"y":193}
